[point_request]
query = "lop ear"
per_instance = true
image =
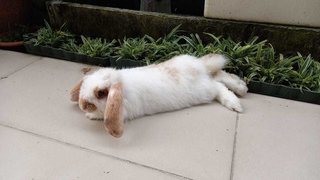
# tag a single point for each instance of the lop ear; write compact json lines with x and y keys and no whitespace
{"x":75,"y":91}
{"x":113,"y":117}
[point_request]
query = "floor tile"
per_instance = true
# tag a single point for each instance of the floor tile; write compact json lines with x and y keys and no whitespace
{"x":195,"y":142}
{"x":26,"y":156}
{"x":14,"y":61}
{"x":277,"y":139}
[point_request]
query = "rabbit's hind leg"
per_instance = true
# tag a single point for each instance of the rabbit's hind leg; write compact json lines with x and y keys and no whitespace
{"x":232,"y":82}
{"x":226,"y":97}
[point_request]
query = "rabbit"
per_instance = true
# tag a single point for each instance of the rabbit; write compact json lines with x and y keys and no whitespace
{"x":116,"y":95}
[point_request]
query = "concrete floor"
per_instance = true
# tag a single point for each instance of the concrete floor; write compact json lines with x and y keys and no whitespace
{"x":45,"y":136}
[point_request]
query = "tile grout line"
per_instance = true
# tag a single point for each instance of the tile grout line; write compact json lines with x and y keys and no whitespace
{"x":95,"y":152}
{"x":7,"y":75}
{"x":234,"y":147}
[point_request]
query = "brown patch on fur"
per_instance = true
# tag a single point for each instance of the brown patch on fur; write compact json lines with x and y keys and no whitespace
{"x":113,"y":119}
{"x":85,"y":70}
{"x":193,"y":71}
{"x":101,"y":93}
{"x":75,"y":91}
{"x":216,"y":73}
{"x":86,"y":106}
{"x":173,"y":72}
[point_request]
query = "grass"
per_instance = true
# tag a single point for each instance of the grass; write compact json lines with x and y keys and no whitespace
{"x":46,"y":36}
{"x":252,"y":60}
{"x":91,"y":47}
{"x":149,"y":49}
{"x":132,"y":48}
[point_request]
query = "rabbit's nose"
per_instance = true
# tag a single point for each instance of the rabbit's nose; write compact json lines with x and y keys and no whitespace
{"x":87,"y":106}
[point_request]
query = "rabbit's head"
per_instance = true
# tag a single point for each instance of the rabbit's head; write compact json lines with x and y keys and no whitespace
{"x":101,"y":93}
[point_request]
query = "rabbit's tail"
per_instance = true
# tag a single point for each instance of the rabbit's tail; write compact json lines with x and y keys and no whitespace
{"x":214,"y":62}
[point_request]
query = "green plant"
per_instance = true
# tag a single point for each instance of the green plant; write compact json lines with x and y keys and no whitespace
{"x":71,"y":46}
{"x":96,"y":47}
{"x":91,"y":47}
{"x":164,"y":47}
{"x":196,"y":47}
{"x":132,"y":48}
{"x":258,"y":61}
{"x":47,"y":36}
{"x":306,"y":75}
{"x":163,"y":50}
{"x":151,"y":50}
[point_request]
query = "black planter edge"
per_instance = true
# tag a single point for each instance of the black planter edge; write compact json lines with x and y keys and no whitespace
{"x":65,"y":55}
{"x":126,"y":63}
{"x":285,"y":92}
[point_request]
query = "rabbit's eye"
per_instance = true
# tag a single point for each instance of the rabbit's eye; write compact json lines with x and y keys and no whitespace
{"x":101,"y":93}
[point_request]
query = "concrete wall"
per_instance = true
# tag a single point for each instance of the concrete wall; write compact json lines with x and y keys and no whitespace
{"x":294,"y":12}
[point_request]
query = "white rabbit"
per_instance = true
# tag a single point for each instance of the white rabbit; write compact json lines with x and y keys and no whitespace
{"x":183,"y":81}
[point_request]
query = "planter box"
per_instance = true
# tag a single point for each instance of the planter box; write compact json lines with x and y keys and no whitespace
{"x":66,"y":55}
{"x":113,"y":23}
{"x":285,"y":92}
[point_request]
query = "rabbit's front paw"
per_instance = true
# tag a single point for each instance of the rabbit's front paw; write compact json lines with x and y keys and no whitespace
{"x":115,"y":129}
{"x":94,"y":116}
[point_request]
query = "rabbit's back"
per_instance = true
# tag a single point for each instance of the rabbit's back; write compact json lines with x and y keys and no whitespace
{"x":180,"y":82}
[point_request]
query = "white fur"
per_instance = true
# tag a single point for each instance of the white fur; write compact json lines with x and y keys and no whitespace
{"x":180,"y":82}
